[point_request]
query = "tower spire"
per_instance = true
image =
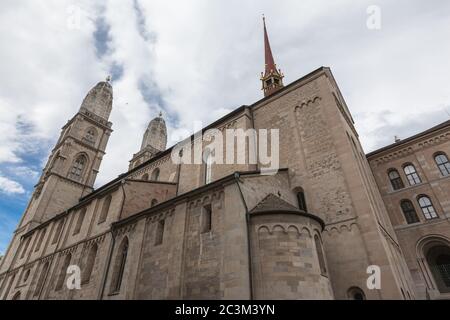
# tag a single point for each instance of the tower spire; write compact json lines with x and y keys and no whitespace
{"x":272,"y":79}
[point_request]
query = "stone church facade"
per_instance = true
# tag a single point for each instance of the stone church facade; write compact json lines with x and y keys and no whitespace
{"x":167,"y":230}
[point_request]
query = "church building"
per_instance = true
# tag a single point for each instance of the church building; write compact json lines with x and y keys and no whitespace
{"x":330,"y":218}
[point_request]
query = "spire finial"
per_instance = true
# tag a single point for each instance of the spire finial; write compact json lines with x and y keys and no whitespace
{"x":272,"y":78}
{"x":160,"y":114}
{"x":108,"y":78}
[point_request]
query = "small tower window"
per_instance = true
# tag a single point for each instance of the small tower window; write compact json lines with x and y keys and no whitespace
{"x":443,"y":164}
{"x":41,"y":238}
{"x":41,"y":279}
{"x":145,"y":177}
{"x":57,"y":231}
{"x":91,"y":135}
{"x":396,"y":180}
{"x":427,"y":207}
{"x":411,"y":174}
{"x":409,"y":212}
{"x":78,"y":167}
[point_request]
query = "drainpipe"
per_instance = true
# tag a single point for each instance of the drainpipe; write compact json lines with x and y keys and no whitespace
{"x":247,"y":219}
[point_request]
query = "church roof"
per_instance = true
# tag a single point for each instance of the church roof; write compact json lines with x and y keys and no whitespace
{"x":273,"y":203}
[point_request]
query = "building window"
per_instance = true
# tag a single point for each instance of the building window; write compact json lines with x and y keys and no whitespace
{"x":205,"y":219}
{"x":80,"y":219}
{"x":145,"y":177}
{"x":16,"y":296}
{"x":154,"y":203}
{"x":91,"y":135}
{"x":41,"y":238}
{"x":13,"y":277}
{"x":25,"y":248}
{"x":57,"y":231}
{"x":355,"y":293}
{"x":155,"y":174}
{"x":119,"y":268}
{"x":443,"y":164}
{"x":320,"y":256}
{"x":159,"y":234}
{"x":62,"y":272}
{"x":411,"y":174}
{"x":301,"y":200}
{"x":40,"y":283}
{"x":89,"y":265}
{"x":396,"y":180}
{"x":438,"y":259}
{"x":105,"y":209}
{"x":427,"y":207}
{"x":78,"y":167}
{"x":26,"y":275}
{"x":207,"y":163}
{"x":409,"y":212}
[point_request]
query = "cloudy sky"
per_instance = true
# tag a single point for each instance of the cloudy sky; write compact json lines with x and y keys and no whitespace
{"x":198,"y":60}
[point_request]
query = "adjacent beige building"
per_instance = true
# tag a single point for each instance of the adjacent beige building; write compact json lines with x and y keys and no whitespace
{"x":170,"y":230}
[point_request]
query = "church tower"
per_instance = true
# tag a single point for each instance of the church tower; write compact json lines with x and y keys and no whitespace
{"x":74,"y":162}
{"x":271,"y":78}
{"x":154,"y":141}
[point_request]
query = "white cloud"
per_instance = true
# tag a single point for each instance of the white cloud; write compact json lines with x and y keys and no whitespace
{"x":10,"y":187}
{"x":205,"y":58}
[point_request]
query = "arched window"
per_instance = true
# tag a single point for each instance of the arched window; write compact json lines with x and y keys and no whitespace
{"x":78,"y":166}
{"x":105,"y":209}
{"x":155,"y":174}
{"x":443,"y":163}
{"x":438,"y":259}
{"x":207,"y":163}
{"x":159,"y":234}
{"x":91,"y":135}
{"x":16,"y":296}
{"x":145,"y":177}
{"x":40,"y":283}
{"x":80,"y":220}
{"x":62,"y":272}
{"x":396,"y":180}
{"x":427,"y":207}
{"x":5,"y":296}
{"x":25,"y":248}
{"x":119,"y":266}
{"x":58,"y":231}
{"x":206,"y":219}
{"x":41,"y":238}
{"x":301,"y":200}
{"x":409,"y":212}
{"x":355,"y":293}
{"x":26,"y":275}
{"x":411,"y":174}
{"x":319,"y":251}
{"x":154,"y":202}
{"x":89,"y":265}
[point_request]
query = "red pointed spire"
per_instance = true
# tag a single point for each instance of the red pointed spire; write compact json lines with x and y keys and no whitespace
{"x":270,"y":63}
{"x":272,"y":79}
